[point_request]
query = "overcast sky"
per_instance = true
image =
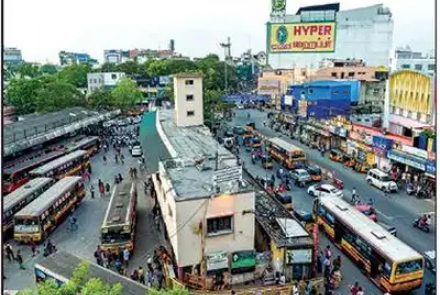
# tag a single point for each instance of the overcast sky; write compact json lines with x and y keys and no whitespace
{"x":41,"y":28}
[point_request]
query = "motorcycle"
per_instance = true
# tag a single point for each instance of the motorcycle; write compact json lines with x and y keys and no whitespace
{"x":410,"y":189}
{"x":425,"y":227}
{"x":422,"y":194}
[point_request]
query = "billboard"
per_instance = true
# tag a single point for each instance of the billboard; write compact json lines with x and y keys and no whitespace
{"x":301,"y":37}
{"x":278,"y":6}
{"x":269,"y":87}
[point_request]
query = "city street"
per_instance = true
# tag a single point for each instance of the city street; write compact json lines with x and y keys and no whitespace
{"x":399,"y":210}
{"x":90,"y":214}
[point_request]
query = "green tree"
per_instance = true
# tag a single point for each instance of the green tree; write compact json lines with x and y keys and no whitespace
{"x":22,"y":93}
{"x":75,"y":74}
{"x":126,"y":94}
{"x":48,"y":69}
{"x":27,"y":70}
{"x":130,"y":67}
{"x":101,"y":98}
{"x":58,"y":95}
{"x":107,"y":67}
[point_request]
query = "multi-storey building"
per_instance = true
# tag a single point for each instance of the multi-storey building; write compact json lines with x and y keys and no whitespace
{"x":97,"y":81}
{"x":68,"y":58}
{"x":12,"y":56}
{"x":363,"y":33}
{"x":188,"y":98}
{"x":406,"y":59}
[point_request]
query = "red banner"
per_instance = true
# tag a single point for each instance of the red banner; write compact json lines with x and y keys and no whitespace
{"x":315,"y":235}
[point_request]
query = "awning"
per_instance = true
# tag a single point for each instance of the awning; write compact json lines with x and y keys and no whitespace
{"x":407,"y":159}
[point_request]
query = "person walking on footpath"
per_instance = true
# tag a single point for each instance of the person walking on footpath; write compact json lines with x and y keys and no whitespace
{"x":98,"y":256}
{"x":135,"y":172}
{"x":353,"y":195}
{"x":9,"y":252}
{"x":141,"y":274}
{"x":101,"y":189}
{"x":104,"y":159}
{"x":92,"y":191}
{"x":126,"y":257}
{"x":122,"y":158}
{"x":107,"y":187}
{"x":20,"y":259}
{"x":33,"y":247}
{"x":157,"y":222}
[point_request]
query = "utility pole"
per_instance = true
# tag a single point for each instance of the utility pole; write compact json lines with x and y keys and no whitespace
{"x":227,"y":47}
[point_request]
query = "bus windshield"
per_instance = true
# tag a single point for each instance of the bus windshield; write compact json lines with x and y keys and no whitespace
{"x":26,"y":225}
{"x":113,"y":238}
{"x":409,"y":266}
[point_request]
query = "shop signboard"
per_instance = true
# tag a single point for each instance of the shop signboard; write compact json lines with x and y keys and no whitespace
{"x":243,"y":261}
{"x":227,"y":175}
{"x":332,"y":129}
{"x":407,"y":159}
{"x":431,"y":156}
{"x":415,"y":151}
{"x":380,"y":152}
{"x":278,"y":6}
{"x":269,"y":87}
{"x":297,"y":256}
{"x":302,"y":108}
{"x":216,"y":261}
{"x":382,"y":143}
{"x":430,"y":168}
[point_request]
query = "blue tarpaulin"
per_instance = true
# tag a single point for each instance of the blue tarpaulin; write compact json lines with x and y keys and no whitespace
{"x":245,"y":98}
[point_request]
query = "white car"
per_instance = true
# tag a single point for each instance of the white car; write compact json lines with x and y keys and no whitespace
{"x":381,"y":180}
{"x":136,"y":151}
{"x":324,"y":190}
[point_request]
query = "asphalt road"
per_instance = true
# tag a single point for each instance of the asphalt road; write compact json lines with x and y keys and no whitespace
{"x":90,"y":215}
{"x":399,"y":209}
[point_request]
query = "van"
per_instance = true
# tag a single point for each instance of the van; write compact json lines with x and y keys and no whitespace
{"x":381,"y":180}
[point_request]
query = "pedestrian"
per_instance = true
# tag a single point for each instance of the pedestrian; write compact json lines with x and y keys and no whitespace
{"x":157,"y":222}
{"x":33,"y":247}
{"x":328,"y":252}
{"x":105,"y":259}
{"x":134,"y":275}
{"x":353,"y":195}
{"x":320,"y":261}
{"x":92,"y":191}
{"x":98,"y":255}
{"x":20,"y":259}
{"x":337,"y":263}
{"x":354,"y":289}
{"x":101,"y":189}
{"x":116,"y":159}
{"x":159,"y":278}
{"x":141,"y":273}
{"x":109,"y":257}
{"x":135,"y":172}
{"x":302,"y":287}
{"x":126,"y":257}
{"x":122,"y":158}
{"x":360,"y":292}
{"x":9,"y":252}
{"x":104,"y":159}
{"x":149,"y":276}
{"x":107,"y":187}
{"x":327,"y":264}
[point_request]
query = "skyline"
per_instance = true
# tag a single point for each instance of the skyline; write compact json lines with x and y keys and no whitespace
{"x":29,"y":23}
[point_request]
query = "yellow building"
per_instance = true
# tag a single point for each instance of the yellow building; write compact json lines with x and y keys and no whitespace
{"x":412,"y":101}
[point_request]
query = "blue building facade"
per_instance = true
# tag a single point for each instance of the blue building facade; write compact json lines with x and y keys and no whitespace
{"x":322,"y":99}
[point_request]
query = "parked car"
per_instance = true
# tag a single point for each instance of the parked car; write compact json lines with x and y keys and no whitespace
{"x":300,"y":176}
{"x":324,"y":190}
{"x":381,"y":180}
{"x":430,"y":260}
{"x":136,"y":151}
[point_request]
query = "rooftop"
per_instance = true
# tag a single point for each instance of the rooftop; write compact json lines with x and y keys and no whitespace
{"x":190,"y":142}
{"x":188,"y":75}
{"x":193,"y":179}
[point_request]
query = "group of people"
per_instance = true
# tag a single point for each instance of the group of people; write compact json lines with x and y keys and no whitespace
{"x":330,"y":269}
{"x":413,"y":181}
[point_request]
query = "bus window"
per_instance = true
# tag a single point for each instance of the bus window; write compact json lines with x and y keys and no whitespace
{"x":408,"y":267}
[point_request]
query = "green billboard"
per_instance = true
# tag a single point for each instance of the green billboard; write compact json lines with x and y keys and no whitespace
{"x":243,"y":260}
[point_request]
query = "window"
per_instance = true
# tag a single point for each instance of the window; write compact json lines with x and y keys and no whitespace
{"x":189,"y":82}
{"x":406,"y":66}
{"x":190,"y":113}
{"x":407,"y":267}
{"x":221,"y":225}
{"x":113,"y":76}
{"x":376,"y":91}
{"x":418,"y":67}
{"x":334,"y":75}
{"x":190,"y":97}
{"x":431,"y":67}
{"x":351,"y":74}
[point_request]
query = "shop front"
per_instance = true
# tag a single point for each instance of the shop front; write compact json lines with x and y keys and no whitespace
{"x":299,"y":261}
{"x":315,"y":135}
{"x":361,"y":148}
{"x":381,"y":145}
{"x":407,"y":162}
{"x":338,"y":139}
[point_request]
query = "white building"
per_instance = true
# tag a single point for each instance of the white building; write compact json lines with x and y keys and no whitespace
{"x":406,"y":59}
{"x":202,"y":197}
{"x":188,"y":99}
{"x":364,"y":33}
{"x":96,"y":81}
{"x":12,"y":56}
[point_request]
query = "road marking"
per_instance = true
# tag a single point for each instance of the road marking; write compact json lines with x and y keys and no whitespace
{"x":430,"y":201}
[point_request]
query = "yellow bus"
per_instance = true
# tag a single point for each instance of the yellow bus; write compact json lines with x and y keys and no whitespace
{"x":284,"y":152}
{"x":38,"y":219}
{"x":391,"y":264}
{"x":73,"y":163}
{"x":118,"y":227}
{"x":90,"y":144}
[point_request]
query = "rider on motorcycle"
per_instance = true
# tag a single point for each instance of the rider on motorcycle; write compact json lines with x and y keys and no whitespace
{"x":423,"y":221}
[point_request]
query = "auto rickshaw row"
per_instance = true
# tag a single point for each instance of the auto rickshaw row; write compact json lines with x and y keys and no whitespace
{"x":356,"y":163}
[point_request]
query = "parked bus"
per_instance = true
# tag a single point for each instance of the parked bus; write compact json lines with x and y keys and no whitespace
{"x":60,"y":267}
{"x":39,"y":218}
{"x":118,"y":227}
{"x":17,"y":174}
{"x":70,"y":164}
{"x":90,"y":144}
{"x":21,"y":197}
{"x":286,"y":153}
{"x":391,"y":264}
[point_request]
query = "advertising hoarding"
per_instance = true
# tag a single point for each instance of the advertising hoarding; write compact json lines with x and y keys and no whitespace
{"x":269,"y":87}
{"x":216,"y":261}
{"x":301,"y":37}
{"x":243,"y":261}
{"x":278,"y":6}
{"x":296,"y":256}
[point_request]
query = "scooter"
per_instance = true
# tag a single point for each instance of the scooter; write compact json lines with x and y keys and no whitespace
{"x":425,"y":228}
{"x":410,"y":189}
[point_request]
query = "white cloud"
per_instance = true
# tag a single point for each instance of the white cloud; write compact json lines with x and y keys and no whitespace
{"x":42,"y":28}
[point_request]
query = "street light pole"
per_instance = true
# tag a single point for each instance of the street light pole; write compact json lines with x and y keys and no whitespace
{"x":227,"y":47}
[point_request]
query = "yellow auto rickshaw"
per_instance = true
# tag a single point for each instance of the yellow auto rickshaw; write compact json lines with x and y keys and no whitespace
{"x":267,"y":161}
{"x":348,"y":161}
{"x":361,"y":166}
{"x":335,"y":155}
